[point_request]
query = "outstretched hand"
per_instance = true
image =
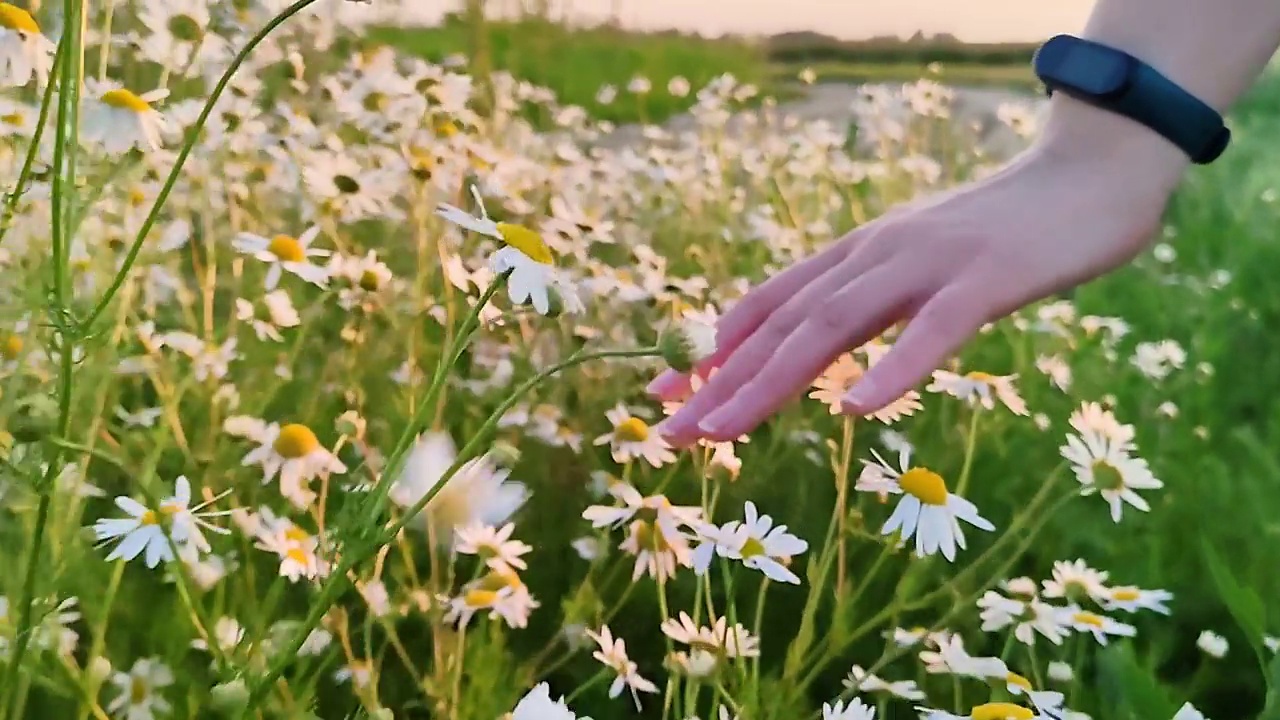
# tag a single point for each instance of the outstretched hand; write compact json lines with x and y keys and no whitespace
{"x":946,"y":265}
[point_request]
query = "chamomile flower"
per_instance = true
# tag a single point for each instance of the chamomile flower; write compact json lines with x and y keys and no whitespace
{"x":951,"y":658}
{"x":754,"y":541}
{"x":1075,"y":581}
{"x":855,"y":710}
{"x":138,"y":691}
{"x":1046,"y":702}
{"x":1213,"y":644}
{"x":718,"y":638}
{"x":1188,"y":712}
{"x":208,"y":360}
{"x":294,"y":453}
{"x":927,"y":510}
{"x":151,"y":531}
{"x":980,"y":388}
{"x":1027,"y":617}
{"x":120,"y":120}
{"x":479,"y":492}
{"x":538,"y":705}
{"x":24,"y":50}
{"x":985,"y":711}
{"x":632,"y":439}
{"x":528,"y":259}
{"x":297,"y":549}
{"x":285,"y":253}
{"x":1100,"y":626}
{"x":1132,"y":599}
{"x":280,"y":314}
{"x":613,"y":654}
{"x":500,"y":593}
{"x":1104,"y":468}
{"x":492,"y":544}
{"x":862,"y":681}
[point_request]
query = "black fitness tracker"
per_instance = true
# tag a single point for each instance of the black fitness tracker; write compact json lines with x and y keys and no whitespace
{"x":1116,"y":81}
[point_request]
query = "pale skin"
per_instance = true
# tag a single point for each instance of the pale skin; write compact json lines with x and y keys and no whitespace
{"x":1085,"y":198}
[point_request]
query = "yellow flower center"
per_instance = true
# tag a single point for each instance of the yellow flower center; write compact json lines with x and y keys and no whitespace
{"x":526,"y":241}
{"x":1016,"y":679}
{"x":369,"y":281}
{"x":125,"y":100}
{"x":1088,"y":618}
{"x":295,"y":441}
{"x":15,"y":18}
{"x":925,"y":485}
{"x":981,"y":377}
{"x":287,"y":249}
{"x":15,"y":119}
{"x":12,"y":347}
{"x":446,"y":128}
{"x":649,"y":537}
{"x":480,"y":598}
{"x":297,"y":555}
{"x":1107,"y":476}
{"x":296,"y":534}
{"x":633,"y":429}
{"x":137,"y":197}
{"x":752,"y":548}
{"x":149,"y":518}
{"x":1125,"y":594}
{"x":138,"y":690}
{"x":1001,"y":711}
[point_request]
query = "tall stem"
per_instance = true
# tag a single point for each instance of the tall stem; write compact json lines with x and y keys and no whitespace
{"x":192,"y":136}
{"x":338,"y":577}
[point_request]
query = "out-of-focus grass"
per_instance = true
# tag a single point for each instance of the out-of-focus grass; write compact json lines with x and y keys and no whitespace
{"x":577,"y":62}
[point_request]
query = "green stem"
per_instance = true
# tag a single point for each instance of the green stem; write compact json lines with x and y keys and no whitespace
{"x":192,"y":136}
{"x":24,"y":176}
{"x":970,"y":444}
{"x":338,"y":577}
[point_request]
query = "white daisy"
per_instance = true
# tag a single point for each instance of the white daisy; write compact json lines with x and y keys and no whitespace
{"x":1100,"y":626}
{"x":150,"y":531}
{"x":1102,"y":466}
{"x":863,"y":681}
{"x":479,"y":492}
{"x":295,"y":453}
{"x":492,"y":544}
{"x":927,"y":509}
{"x":632,"y":438}
{"x":138,"y":691}
{"x":501,"y":593}
{"x":1027,"y":618}
{"x":1076,"y":581}
{"x":980,"y":388}
{"x":121,"y":120}
{"x":719,"y":638}
{"x":284,"y":252}
{"x":1213,"y":644}
{"x":526,"y":256}
{"x":613,"y":654}
{"x":985,"y":711}
{"x":1188,"y":712}
{"x":855,"y":710}
{"x":754,"y":541}
{"x":538,"y":705}
{"x":1132,"y":599}
{"x":951,"y":658}
{"x":24,"y":50}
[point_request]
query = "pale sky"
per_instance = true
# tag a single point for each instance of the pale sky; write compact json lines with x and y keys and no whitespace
{"x":971,"y":20}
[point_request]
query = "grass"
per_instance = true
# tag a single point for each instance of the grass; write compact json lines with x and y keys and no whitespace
{"x":959,"y":74}
{"x":577,"y":63}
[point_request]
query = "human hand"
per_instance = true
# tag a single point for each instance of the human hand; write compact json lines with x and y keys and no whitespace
{"x":947,"y":265}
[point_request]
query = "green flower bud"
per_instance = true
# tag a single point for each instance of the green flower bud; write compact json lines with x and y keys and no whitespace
{"x":687,"y":343}
{"x":229,"y":699}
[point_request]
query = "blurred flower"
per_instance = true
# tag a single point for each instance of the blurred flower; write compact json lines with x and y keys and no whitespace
{"x":493,"y":545}
{"x":501,"y":592}
{"x":1076,"y":582}
{"x":632,"y":439}
{"x":1213,"y":644}
{"x":538,"y":705}
{"x":860,"y":680}
{"x":120,"y":120}
{"x":1027,"y":618}
{"x":24,"y":50}
{"x":294,"y":452}
{"x":980,"y":388}
{"x":1100,"y":626}
{"x":284,"y":252}
{"x":855,"y":710}
{"x":479,"y":492}
{"x":138,"y":691}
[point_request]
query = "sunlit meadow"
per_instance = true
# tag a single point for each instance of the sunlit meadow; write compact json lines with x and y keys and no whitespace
{"x":324,"y":396}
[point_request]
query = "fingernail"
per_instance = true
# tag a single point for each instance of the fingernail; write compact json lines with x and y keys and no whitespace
{"x":668,"y":428}
{"x":662,"y":383}
{"x":860,"y":394}
{"x":709,"y":426}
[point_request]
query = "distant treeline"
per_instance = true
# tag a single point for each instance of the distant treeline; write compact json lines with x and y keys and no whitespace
{"x":810,"y":47}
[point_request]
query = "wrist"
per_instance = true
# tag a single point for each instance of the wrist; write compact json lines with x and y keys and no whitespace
{"x":1119,"y":149}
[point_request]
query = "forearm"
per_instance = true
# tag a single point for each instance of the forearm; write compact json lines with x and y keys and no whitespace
{"x":1215,"y":49}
